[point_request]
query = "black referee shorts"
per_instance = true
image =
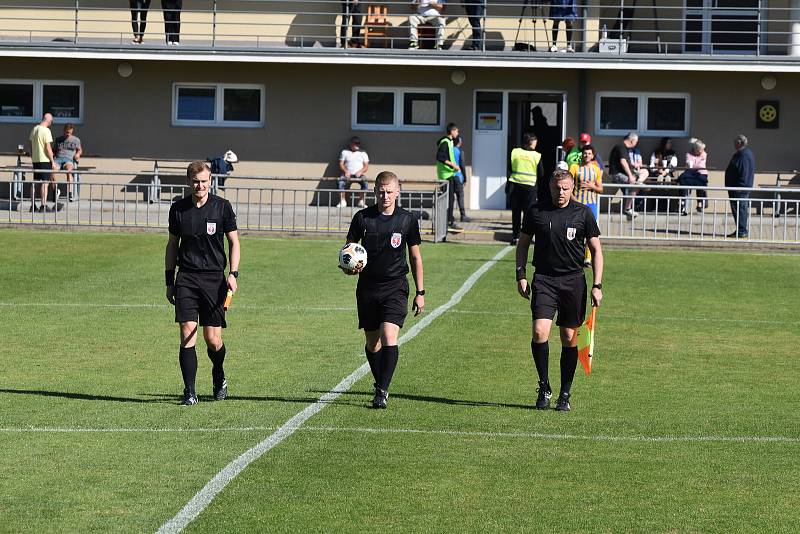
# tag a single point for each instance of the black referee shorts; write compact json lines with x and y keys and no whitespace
{"x":563,"y":294}
{"x":382,"y":302}
{"x":200,"y":295}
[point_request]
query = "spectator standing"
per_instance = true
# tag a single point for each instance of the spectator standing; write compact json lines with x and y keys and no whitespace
{"x":139,"y":10}
{"x":461,"y":177}
{"x":351,"y":10}
{"x":446,"y":169}
{"x":172,"y":20}
{"x":572,"y":154}
{"x":526,"y":168}
{"x":622,"y":171}
{"x":586,"y":139}
{"x":476,"y":10}
{"x":67,"y":150}
{"x":588,"y":183}
{"x":353,"y":165}
{"x":41,"y":139}
{"x":426,"y":11}
{"x":563,"y":11}
{"x":740,"y":173}
{"x":696,"y":174}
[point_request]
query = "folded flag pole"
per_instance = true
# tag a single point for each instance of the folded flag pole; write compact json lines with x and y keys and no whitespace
{"x":586,"y":342}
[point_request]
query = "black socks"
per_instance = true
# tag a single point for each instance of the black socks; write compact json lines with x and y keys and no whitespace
{"x":374,"y":360}
{"x":217,"y":358}
{"x":541,"y":353}
{"x":569,"y":361}
{"x":188,"y":360}
{"x":389,"y":357}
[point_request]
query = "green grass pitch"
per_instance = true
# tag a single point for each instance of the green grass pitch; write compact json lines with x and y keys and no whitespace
{"x":689,"y":421}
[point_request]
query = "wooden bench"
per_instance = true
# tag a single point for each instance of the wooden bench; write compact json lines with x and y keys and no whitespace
{"x":18,"y":177}
{"x":153,"y":192}
{"x":783,"y":179}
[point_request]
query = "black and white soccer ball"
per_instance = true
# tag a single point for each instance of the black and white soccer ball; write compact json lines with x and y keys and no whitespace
{"x":352,"y":257}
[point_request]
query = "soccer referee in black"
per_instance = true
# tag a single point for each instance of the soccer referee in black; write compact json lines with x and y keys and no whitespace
{"x":562,"y":228}
{"x":386,"y":231}
{"x":197,"y":224}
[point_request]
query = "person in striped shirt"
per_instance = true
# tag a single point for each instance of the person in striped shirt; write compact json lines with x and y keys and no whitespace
{"x":588,"y":183}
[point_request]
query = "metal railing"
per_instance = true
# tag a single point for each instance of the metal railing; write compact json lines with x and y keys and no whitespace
{"x":611,"y":26}
{"x":261,"y":207}
{"x":668,"y":213}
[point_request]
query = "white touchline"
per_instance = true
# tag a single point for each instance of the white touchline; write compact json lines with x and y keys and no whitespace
{"x":203,"y":498}
{"x":424,"y":431}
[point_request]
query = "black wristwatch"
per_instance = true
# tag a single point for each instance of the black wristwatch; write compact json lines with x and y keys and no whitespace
{"x":598,"y":286}
{"x":235,"y":274}
{"x":420,"y":292}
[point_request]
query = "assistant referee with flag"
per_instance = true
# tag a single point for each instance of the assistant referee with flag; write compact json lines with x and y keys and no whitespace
{"x":198,"y":225}
{"x":562,"y":229}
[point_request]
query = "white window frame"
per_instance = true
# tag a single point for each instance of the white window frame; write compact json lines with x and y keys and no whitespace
{"x":219,"y":105}
{"x":641,"y":114}
{"x":399,"y":99}
{"x":38,"y":100}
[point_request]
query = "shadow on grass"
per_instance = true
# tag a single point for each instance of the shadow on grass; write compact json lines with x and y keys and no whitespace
{"x":439,"y":400}
{"x":84,"y":396}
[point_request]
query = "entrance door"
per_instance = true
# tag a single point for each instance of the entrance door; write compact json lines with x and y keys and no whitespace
{"x":501,"y":119}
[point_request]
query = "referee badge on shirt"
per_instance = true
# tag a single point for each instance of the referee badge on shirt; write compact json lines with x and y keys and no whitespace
{"x":570,"y":233}
{"x":211,"y":228}
{"x":397,"y":239}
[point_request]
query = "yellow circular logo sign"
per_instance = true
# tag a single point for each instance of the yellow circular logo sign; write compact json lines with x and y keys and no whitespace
{"x":768,"y":113}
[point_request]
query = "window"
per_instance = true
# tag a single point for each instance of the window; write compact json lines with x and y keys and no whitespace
{"x":26,"y":101}
{"x":376,"y":108}
{"x":653,"y":114}
{"x":240,"y":106}
{"x":723,"y":26}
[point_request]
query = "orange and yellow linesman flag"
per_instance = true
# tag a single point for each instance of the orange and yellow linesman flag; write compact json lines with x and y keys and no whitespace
{"x":586,"y":342}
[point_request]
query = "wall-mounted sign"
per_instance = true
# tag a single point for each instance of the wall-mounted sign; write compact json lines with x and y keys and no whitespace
{"x":767,"y":114}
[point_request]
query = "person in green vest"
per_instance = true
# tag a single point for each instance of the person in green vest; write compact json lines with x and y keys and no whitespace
{"x":526,"y":167}
{"x":447,"y":168}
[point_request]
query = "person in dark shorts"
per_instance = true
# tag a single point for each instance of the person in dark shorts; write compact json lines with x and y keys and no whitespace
{"x":385,"y":231}
{"x":197,"y":224}
{"x":561,"y":230}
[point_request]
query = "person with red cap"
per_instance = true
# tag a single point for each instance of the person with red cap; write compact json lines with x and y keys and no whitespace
{"x":586,"y":139}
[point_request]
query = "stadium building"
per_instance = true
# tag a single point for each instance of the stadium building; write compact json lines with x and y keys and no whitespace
{"x":270,"y":81}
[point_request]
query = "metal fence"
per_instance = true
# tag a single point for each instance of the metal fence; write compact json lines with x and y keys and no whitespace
{"x":259,"y":207}
{"x":750,"y":27}
{"x":670,"y":213}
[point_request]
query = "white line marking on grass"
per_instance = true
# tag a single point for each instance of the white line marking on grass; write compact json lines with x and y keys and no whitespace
{"x":203,"y":498}
{"x":453,"y":433}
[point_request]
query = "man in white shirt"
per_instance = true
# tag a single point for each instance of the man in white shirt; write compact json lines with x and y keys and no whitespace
{"x":426,"y":11}
{"x":353,"y":164}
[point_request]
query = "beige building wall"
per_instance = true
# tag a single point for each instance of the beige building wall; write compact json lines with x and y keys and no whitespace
{"x":308,"y":113}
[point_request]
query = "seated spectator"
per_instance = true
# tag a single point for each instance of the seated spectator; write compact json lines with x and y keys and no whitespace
{"x":696,"y":174}
{"x":426,"y":11}
{"x":622,"y":171}
{"x":664,"y":160}
{"x":353,"y":164}
{"x":67,"y":151}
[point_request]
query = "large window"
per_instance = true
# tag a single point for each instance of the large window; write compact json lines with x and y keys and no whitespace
{"x":28,"y":100}
{"x":653,"y":114}
{"x":379,"y":108}
{"x":723,"y":26}
{"x":240,"y":106}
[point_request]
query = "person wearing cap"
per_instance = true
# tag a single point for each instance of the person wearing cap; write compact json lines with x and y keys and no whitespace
{"x":586,"y":139}
{"x":353,"y":165}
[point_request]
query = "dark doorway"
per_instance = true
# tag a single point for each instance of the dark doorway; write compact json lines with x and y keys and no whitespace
{"x":541,"y":114}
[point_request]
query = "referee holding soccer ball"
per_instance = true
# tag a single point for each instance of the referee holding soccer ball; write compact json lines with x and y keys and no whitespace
{"x":197,"y":224}
{"x":385,"y":231}
{"x":562,"y":228}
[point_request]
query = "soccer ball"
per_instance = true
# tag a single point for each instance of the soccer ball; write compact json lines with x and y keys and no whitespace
{"x":352,"y":257}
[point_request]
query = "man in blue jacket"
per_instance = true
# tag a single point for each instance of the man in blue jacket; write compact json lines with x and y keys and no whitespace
{"x":740,"y":173}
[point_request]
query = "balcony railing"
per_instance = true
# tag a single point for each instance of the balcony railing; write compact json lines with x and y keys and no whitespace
{"x":753,"y":28}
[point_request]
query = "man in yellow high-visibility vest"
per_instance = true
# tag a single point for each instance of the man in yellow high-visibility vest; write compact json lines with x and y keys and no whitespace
{"x":526,"y":167}
{"x":447,"y":167}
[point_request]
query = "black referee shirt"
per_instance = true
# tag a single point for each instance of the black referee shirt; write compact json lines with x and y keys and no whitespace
{"x":385,"y":237}
{"x":561,"y":235}
{"x":201,"y":232}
